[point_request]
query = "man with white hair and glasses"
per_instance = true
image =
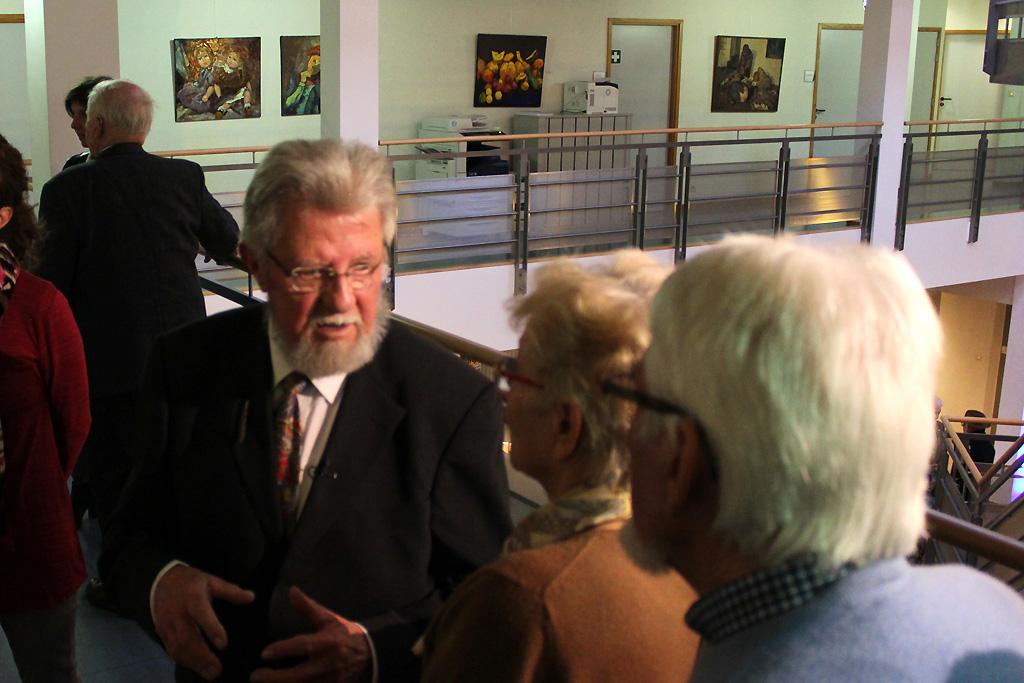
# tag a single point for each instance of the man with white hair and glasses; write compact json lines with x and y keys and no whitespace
{"x":313,"y":480}
{"x":779,"y":463}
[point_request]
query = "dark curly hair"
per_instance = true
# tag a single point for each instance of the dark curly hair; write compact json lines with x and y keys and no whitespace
{"x":22,"y":232}
{"x":80,"y":93}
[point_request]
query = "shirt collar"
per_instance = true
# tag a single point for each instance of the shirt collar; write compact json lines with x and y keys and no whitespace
{"x":760,"y":596}
{"x":329,"y":386}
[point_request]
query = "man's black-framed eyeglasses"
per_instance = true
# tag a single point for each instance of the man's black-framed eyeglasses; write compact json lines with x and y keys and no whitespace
{"x":508,"y":372}
{"x":660,"y":405}
{"x":642,"y":398}
{"x":310,"y":279}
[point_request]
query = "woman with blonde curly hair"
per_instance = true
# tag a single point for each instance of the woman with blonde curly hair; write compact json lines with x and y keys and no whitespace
{"x":565,"y":602}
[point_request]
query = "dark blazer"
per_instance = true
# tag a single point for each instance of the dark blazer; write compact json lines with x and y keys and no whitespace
{"x":75,"y":160}
{"x":411,"y":494}
{"x":124,"y":232}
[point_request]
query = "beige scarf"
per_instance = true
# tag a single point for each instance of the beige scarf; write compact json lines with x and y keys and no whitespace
{"x":572,"y":514}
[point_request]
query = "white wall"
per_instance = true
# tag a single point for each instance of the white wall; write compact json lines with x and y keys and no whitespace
{"x":972,"y":330}
{"x":426,"y":54}
{"x":966,"y":15}
{"x":427,"y":65}
{"x":145,"y":42}
{"x":15,"y":116}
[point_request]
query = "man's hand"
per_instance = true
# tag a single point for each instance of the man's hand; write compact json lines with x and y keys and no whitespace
{"x":338,"y":651}
{"x":183,"y":614}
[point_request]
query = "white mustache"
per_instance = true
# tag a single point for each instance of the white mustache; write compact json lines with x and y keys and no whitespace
{"x":337,"y":319}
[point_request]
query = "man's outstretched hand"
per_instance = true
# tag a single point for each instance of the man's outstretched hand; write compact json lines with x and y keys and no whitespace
{"x":339,"y":650}
{"x":183,"y":614}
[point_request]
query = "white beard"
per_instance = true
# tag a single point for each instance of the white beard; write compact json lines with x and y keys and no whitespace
{"x":647,"y":557}
{"x":317,"y":359}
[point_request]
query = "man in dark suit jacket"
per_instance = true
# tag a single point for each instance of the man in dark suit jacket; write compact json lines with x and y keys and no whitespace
{"x":124,"y":232}
{"x":401,"y":488}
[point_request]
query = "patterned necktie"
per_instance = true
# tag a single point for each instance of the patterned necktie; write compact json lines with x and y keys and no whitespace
{"x":288,"y":440}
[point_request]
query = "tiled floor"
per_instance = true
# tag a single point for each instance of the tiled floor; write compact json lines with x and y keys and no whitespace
{"x":110,"y":649}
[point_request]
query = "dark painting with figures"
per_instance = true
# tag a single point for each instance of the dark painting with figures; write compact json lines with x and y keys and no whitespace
{"x":300,"y":75}
{"x":216,"y":78}
{"x":509,"y":70}
{"x":747,"y":74}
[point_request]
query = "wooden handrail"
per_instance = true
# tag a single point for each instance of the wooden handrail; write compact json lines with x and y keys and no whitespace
{"x":959,"y":445}
{"x":1002,"y":460}
{"x":619,"y":133}
{"x":469,"y":350}
{"x":985,"y":420}
{"x":219,"y":150}
{"x":960,"y":122}
{"x":976,"y":539}
{"x":938,"y":525}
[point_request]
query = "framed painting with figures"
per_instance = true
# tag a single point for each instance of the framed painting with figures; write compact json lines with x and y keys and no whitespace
{"x":300,"y":75}
{"x":747,"y":74}
{"x":216,"y":78}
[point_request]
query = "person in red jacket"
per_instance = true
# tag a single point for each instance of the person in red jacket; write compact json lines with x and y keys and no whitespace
{"x":44,"y":414}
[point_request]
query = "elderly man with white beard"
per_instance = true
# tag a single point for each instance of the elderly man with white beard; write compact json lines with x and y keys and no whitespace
{"x":779,"y":462}
{"x":312,"y":481}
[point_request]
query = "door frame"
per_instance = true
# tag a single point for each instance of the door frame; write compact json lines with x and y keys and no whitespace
{"x":675,"y":67}
{"x":936,"y":70}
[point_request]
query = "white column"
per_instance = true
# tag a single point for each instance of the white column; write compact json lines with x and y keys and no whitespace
{"x":65,"y":41}
{"x":349,"y":98}
{"x":1011,"y":399}
{"x":889,"y":26}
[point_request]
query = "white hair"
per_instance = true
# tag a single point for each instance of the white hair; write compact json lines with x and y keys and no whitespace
{"x":812,"y":374}
{"x":331,"y":175}
{"x":121,"y":105}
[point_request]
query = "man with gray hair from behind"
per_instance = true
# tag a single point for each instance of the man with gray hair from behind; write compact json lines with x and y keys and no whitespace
{"x":779,"y":464}
{"x":124,"y":232}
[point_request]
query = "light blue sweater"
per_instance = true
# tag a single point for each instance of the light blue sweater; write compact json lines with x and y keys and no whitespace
{"x":885,"y":622}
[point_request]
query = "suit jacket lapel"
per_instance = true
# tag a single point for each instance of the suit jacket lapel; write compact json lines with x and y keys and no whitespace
{"x":251,"y":426}
{"x":362,"y":432}
{"x":254,"y":457}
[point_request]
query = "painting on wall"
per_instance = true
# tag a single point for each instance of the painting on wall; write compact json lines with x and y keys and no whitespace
{"x":300,"y":75}
{"x":747,"y":74}
{"x":509,"y":70}
{"x":216,"y":78}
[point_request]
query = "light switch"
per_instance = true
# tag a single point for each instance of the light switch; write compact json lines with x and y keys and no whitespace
{"x":809,"y":76}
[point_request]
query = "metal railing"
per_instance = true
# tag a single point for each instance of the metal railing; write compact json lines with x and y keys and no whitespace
{"x":951,"y":537}
{"x":748,"y":179}
{"x":979,"y":498}
{"x":960,"y":168}
{"x":614,"y":189}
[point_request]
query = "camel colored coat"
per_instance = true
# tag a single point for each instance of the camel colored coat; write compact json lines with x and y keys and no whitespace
{"x":575,"y":610}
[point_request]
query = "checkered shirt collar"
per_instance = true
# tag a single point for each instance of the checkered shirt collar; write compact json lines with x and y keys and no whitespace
{"x":760,"y":596}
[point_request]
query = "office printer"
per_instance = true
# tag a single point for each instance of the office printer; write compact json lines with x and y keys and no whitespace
{"x":590,"y":98}
{"x":450,"y":126}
